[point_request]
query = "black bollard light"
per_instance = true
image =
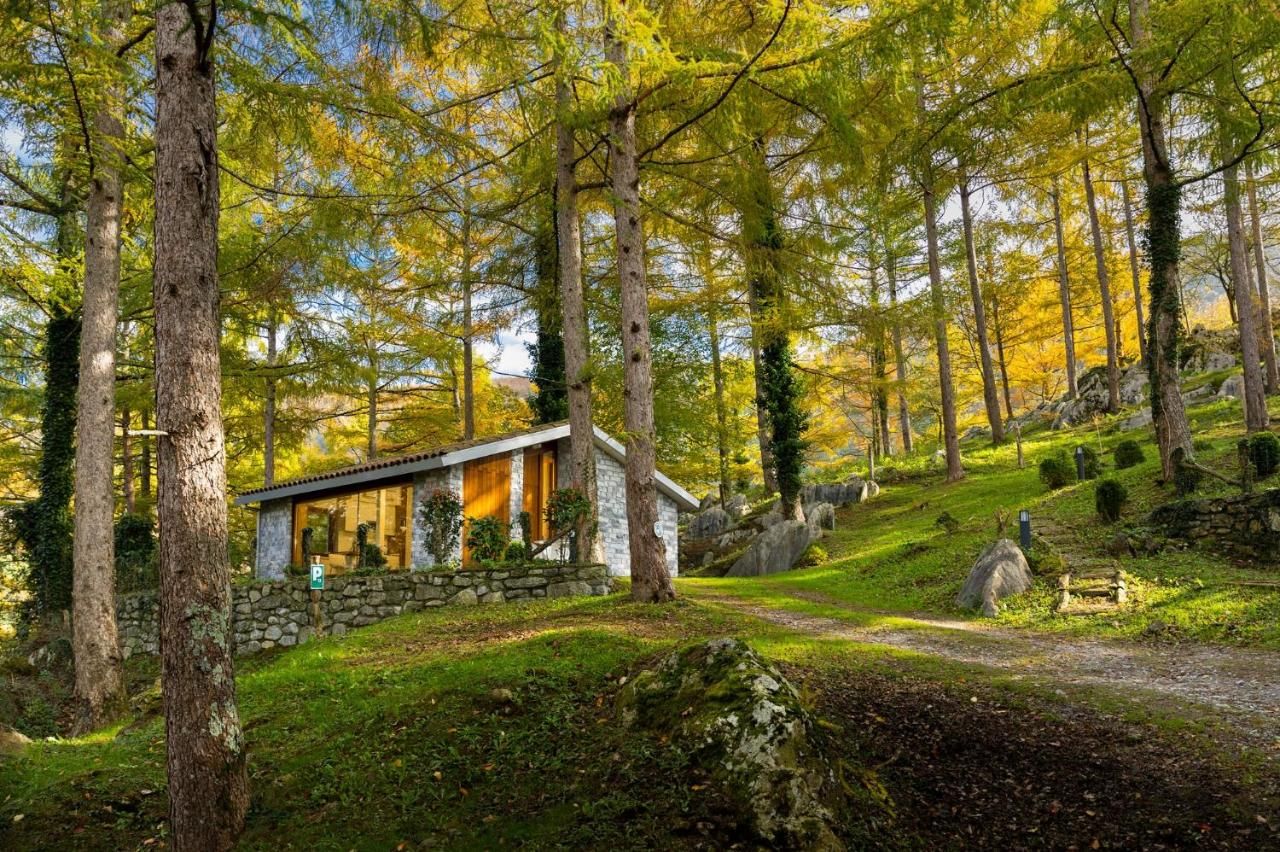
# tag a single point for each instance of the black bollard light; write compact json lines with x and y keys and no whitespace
{"x":1080,"y":463}
{"x":1024,"y":528}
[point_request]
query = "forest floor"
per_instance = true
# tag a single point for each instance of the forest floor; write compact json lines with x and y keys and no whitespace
{"x":494,"y":727}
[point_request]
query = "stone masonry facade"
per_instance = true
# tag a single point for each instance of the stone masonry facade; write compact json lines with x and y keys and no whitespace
{"x":280,"y":613}
{"x":275,"y":517}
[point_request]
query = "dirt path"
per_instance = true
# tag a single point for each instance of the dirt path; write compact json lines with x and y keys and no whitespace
{"x":1238,"y":686}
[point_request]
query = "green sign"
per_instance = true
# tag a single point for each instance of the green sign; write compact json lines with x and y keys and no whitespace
{"x":317,"y":577}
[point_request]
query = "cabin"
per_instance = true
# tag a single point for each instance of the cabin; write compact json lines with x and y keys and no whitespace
{"x":499,"y":476}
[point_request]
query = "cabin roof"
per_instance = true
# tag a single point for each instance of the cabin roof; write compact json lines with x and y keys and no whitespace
{"x":447,"y":455}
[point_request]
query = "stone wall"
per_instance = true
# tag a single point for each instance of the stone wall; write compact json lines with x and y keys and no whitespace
{"x":447,"y":479}
{"x":275,"y":538}
{"x":611,"y":494}
{"x":1247,"y":526}
{"x":279,"y":613}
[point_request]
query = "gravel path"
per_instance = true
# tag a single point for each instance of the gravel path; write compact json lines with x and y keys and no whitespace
{"x":1240,"y":686}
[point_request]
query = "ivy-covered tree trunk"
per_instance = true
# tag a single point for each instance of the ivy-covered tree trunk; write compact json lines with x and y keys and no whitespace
{"x":549,"y":401}
{"x":1266,"y":329}
{"x":899,"y":356}
{"x":99,"y":666}
{"x":208,"y":783}
{"x":1164,"y":249}
{"x":51,"y":526}
{"x":990,"y":396}
{"x":650,"y":580}
{"x":950,"y":434}
{"x":1131,"y":237}
{"x":1064,"y":294}
{"x":879,"y":366}
{"x":764,"y":430}
{"x":776,"y":380}
{"x":1104,"y":290}
{"x":127,"y":472}
{"x":577,"y":351}
{"x":1255,"y":397}
{"x":722,"y":414}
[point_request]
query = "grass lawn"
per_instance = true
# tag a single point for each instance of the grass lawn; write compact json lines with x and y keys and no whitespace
{"x":891,"y":555}
{"x":488,"y":727}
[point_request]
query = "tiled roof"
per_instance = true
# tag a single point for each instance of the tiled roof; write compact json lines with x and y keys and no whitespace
{"x":397,"y":461}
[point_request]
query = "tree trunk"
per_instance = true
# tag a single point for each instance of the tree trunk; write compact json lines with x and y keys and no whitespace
{"x":650,"y":580}
{"x":1266,"y":330}
{"x":1133,"y":271}
{"x":879,"y":368}
{"x":208,"y":782}
{"x":1255,"y":397}
{"x":126,"y":462}
{"x":763,"y":429}
{"x":144,"y":459}
{"x":1004,"y":368}
{"x":573,"y":306}
{"x":899,"y":358}
{"x":99,"y":667}
{"x":1164,"y":201}
{"x":269,"y":409}
{"x":468,"y":333}
{"x":722,"y":416}
{"x":1064,"y":295}
{"x":950,"y":434}
{"x":371,"y":419}
{"x":990,"y":396}
{"x":1104,"y":288}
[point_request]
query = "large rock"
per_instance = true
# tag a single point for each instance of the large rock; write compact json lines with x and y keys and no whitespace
{"x":707,"y":502}
{"x":853,"y":490}
{"x":744,"y":724}
{"x":710,"y":523}
{"x":1232,"y":388}
{"x":1133,"y":385}
{"x":1140,"y":420}
{"x":737,"y":506}
{"x":12,"y":743}
{"x":821,"y":516}
{"x":775,"y":550}
{"x":1000,"y":571}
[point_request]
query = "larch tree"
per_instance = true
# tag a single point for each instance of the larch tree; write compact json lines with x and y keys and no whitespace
{"x":1104,"y":289}
{"x":206,"y":756}
{"x":990,"y":396}
{"x":99,"y":674}
{"x":1266,"y":329}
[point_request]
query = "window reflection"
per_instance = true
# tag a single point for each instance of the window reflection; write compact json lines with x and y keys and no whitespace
{"x":328,"y":528}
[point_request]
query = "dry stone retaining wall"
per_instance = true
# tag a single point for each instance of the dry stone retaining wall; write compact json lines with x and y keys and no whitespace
{"x":1247,"y":526}
{"x":279,"y":613}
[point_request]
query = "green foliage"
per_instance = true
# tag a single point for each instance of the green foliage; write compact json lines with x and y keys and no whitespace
{"x":136,"y":558}
{"x":1264,"y":452}
{"x":567,"y":509}
{"x":1057,"y":471}
{"x":947,"y":522}
{"x":1127,"y":454}
{"x":525,"y":520}
{"x":1092,"y":464}
{"x":516,"y":553}
{"x":440,"y":516}
{"x":1109,"y":498}
{"x":487,"y":539}
{"x":787,"y":419}
{"x":813,"y":556}
{"x":369,"y":557}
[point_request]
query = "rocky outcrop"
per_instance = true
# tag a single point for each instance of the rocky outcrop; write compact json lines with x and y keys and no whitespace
{"x":851,"y":491}
{"x":709,"y":522}
{"x":737,"y":506}
{"x":745,"y":725}
{"x":1001,"y":570}
{"x":774,"y":550}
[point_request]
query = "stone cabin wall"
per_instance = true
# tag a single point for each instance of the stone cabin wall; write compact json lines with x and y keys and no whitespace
{"x":279,"y":613}
{"x":275,"y":517}
{"x":1247,"y":525}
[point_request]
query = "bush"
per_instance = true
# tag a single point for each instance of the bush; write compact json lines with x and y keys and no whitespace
{"x":1128,"y":453}
{"x":1092,"y":464}
{"x":1264,"y":452}
{"x":814,"y":555}
{"x":1109,"y":498}
{"x":566,"y":508}
{"x":487,"y":538}
{"x":1186,"y":478}
{"x":516,"y":553}
{"x":947,"y":522}
{"x":137,"y":565}
{"x":441,"y":518}
{"x":1056,"y":471}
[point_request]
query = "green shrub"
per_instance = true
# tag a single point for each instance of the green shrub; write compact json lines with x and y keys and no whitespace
{"x":369,"y":556}
{"x":1092,"y":464}
{"x":1057,"y":471}
{"x":516,"y":553}
{"x":441,"y":518}
{"x":525,"y":520}
{"x":1264,"y":452}
{"x":137,"y":565}
{"x":947,"y":522}
{"x":1186,"y":478}
{"x":814,"y":555}
{"x":1109,"y":498}
{"x":487,"y":539}
{"x":1128,"y":453}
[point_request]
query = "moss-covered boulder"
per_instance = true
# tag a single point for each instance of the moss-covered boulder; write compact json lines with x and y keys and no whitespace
{"x":743,"y":723}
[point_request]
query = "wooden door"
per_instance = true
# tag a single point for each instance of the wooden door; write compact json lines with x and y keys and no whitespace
{"x":486,"y":492}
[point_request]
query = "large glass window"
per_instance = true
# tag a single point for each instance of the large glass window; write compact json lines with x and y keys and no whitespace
{"x":329,"y":527}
